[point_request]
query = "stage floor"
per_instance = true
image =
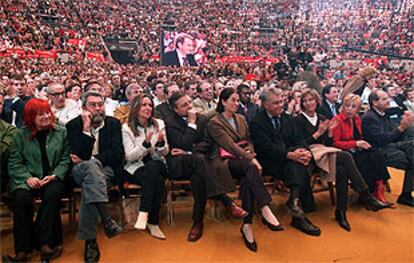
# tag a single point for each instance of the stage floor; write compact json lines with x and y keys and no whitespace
{"x":385,"y":236}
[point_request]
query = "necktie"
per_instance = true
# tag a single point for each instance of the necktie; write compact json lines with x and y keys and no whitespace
{"x":333,"y":110}
{"x":276,"y":122}
{"x":185,"y":62}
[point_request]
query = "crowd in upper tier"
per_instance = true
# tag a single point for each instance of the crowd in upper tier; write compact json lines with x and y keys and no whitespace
{"x":238,"y":28}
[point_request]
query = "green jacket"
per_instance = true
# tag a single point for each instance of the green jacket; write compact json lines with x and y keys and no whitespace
{"x":25,"y":158}
{"x":6,"y":136}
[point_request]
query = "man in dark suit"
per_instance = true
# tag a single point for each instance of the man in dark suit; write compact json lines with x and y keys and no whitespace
{"x":183,"y":55}
{"x":18,"y":94}
{"x":97,"y":153}
{"x":330,"y":106}
{"x":163,"y":111}
{"x":285,"y":155}
{"x":246,"y":108}
{"x":378,"y":130}
{"x":186,"y":137}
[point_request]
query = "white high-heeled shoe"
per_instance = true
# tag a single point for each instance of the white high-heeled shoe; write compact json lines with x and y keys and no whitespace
{"x":142,"y":219}
{"x":156,"y":232}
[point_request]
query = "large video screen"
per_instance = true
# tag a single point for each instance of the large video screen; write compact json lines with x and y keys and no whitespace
{"x":183,"y":49}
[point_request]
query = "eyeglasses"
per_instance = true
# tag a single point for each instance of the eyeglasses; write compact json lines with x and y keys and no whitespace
{"x":95,"y":104}
{"x":60,"y":94}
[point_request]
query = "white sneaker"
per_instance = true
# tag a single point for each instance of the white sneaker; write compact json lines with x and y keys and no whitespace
{"x":156,"y":232}
{"x":142,"y":219}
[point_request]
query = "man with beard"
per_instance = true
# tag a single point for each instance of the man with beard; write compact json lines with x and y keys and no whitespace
{"x":97,"y":154}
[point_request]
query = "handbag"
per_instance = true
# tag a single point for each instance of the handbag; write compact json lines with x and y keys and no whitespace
{"x":224,"y":154}
{"x":129,"y":212}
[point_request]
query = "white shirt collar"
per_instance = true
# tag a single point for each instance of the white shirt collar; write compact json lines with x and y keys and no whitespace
{"x":313,"y":120}
{"x":380,"y":113}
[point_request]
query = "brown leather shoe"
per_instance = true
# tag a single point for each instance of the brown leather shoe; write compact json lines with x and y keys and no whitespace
{"x":236,"y":211}
{"x":196,"y":232}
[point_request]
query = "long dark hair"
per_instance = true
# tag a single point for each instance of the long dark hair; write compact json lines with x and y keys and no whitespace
{"x":224,"y":96}
{"x":133,"y":113}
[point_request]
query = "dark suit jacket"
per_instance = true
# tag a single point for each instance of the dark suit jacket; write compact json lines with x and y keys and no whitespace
{"x":17,"y":107}
{"x":179,"y":135}
{"x":325,"y":110}
{"x":378,"y":130}
{"x":252,"y":109}
{"x":272,"y":146}
{"x":163,"y":111}
{"x":171,"y":59}
{"x":111,"y":149}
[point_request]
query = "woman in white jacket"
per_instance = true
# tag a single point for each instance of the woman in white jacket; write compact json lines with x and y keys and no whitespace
{"x":145,"y":146}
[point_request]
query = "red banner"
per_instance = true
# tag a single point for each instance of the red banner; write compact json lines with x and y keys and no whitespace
{"x":22,"y":54}
{"x":235,"y":59}
{"x":95,"y":56}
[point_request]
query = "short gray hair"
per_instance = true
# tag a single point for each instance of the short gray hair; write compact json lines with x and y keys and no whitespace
{"x":50,"y":86}
{"x":130,"y":86}
{"x":86,"y":95}
{"x":270,"y":90}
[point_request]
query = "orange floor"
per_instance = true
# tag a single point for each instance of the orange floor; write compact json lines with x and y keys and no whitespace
{"x":386,"y":236}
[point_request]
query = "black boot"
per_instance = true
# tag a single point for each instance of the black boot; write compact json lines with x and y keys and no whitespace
{"x":111,"y":229}
{"x":340,"y":216}
{"x":370,"y":203}
{"x":92,"y":253}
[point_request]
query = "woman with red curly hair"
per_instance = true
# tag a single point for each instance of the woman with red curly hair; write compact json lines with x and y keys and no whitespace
{"x":38,"y":163}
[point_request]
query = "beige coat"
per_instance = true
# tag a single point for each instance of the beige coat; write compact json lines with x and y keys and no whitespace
{"x":223,"y":135}
{"x":201,"y":106}
{"x":325,"y":159}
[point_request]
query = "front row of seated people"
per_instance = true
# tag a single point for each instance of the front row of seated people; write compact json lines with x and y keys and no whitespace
{"x":98,"y":153}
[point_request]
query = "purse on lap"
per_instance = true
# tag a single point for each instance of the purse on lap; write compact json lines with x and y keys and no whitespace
{"x":224,"y":154}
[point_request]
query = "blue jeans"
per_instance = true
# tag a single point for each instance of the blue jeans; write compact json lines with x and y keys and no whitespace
{"x":95,"y":181}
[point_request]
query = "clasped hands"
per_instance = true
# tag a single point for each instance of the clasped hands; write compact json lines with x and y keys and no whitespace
{"x":300,"y":155}
{"x":36,"y":183}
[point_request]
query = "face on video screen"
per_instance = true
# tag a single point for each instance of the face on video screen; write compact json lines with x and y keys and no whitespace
{"x":183,"y":49}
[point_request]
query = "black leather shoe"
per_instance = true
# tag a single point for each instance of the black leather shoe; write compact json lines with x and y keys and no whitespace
{"x":406,"y":200}
{"x":271,"y":226}
{"x":20,"y":257}
{"x":196,"y":232}
{"x":92,"y":253}
{"x":112,"y":229}
{"x":294,"y":209}
{"x":306,"y":226}
{"x":370,"y":203}
{"x":48,"y":256}
{"x":251,"y":246}
{"x":340,"y":217}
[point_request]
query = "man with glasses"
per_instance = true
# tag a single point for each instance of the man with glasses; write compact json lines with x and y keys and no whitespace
{"x":64,"y":109}
{"x":97,"y":155}
{"x":246,"y":108}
